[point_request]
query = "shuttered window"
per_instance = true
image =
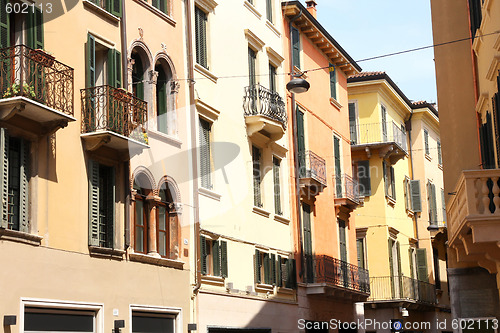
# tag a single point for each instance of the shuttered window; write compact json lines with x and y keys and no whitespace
{"x":90,"y":77}
{"x":277,"y":186}
{"x":301,"y":143}
{"x":353,"y":123}
{"x":256,"y":162}
{"x":295,"y":47}
{"x":338,"y":166}
{"x":486,"y":139}
{"x":14,"y":157}
{"x":440,"y":157}
{"x":34,"y":32}
{"x":269,"y":10}
{"x":162,"y":5}
{"x":307,"y":233}
{"x":365,"y":188}
{"x":272,"y":78}
{"x":252,"y":59}
{"x":4,"y":25}
{"x":475,"y":16}
{"x":443,"y":205}
{"x":140,"y":221}
{"x":213,"y":257}
{"x":205,"y":154}
{"x":416,"y":200}
{"x":342,"y":240}
{"x":383,"y":111}
{"x":200,"y":18}
{"x":431,"y":196}
{"x":422,"y":265}
{"x":333,"y":81}
{"x":114,"y":68}
{"x":360,"y":246}
{"x":437,"y":275}
{"x":101,"y":205}
{"x":389,"y":180}
{"x":426,"y":142}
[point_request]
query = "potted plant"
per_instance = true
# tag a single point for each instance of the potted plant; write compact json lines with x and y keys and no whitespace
{"x":15,"y":90}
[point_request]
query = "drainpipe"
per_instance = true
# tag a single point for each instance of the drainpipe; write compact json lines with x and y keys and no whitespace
{"x":296,"y":150}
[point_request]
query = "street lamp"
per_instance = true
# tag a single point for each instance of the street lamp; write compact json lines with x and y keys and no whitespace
{"x":297,"y":85}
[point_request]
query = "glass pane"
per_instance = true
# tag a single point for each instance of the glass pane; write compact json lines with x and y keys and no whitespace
{"x":58,"y":322}
{"x":139,"y":239}
{"x":162,"y":243}
{"x":153,"y":324}
{"x":139,"y":212}
{"x":162,"y":217}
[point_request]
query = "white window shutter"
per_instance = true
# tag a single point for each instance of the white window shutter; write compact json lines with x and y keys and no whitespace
{"x":4,"y":177}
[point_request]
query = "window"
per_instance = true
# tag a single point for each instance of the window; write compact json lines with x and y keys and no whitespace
{"x":440,"y":157}
{"x":363,"y":172}
{"x":140,"y":221}
{"x":437,"y":275}
{"x":286,"y":272}
{"x":104,"y":65}
{"x":277,"y":186}
{"x":252,"y":59}
{"x":338,"y":166}
{"x":165,"y":99}
{"x":162,"y":5}
{"x":213,"y":257}
{"x":256,"y":162}
{"x":275,"y":270}
{"x":422,"y":265}
{"x":101,"y":205}
{"x":162,"y":225}
{"x":395,"y":267}
{"x":390,"y":187}
{"x":15,"y":159}
{"x":295,"y":47}
{"x":426,"y":142}
{"x":114,"y":7}
{"x":205,"y":154}
{"x":272,"y":78}
{"x":413,"y":201}
{"x":431,"y":197}
{"x":411,"y":257}
{"x":269,"y":10}
{"x":58,"y":320}
{"x":153,"y":322}
{"x":333,"y":81}
{"x":475,"y":16}
{"x":360,"y":245}
{"x":301,"y":143}
{"x":384,"y":123}
{"x":342,"y":240}
{"x":353,"y":123}
{"x":486,"y":141}
{"x":200,"y":18}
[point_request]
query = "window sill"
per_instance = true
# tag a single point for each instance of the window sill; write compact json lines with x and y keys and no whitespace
{"x":440,"y":166}
{"x":213,"y":280}
{"x":335,"y":103}
{"x":260,"y":211}
{"x":390,"y":201}
{"x":264,"y":288}
{"x":205,"y":72}
{"x":106,"y":252}
{"x":20,"y":237}
{"x":410,"y":213}
{"x":252,"y":9}
{"x":428,"y":157}
{"x":285,"y":290}
{"x":273,"y":28}
{"x":209,"y":194}
{"x":165,"y":138}
{"x":158,"y":12}
{"x":101,"y":12}
{"x":281,"y":219}
{"x":156,"y":260}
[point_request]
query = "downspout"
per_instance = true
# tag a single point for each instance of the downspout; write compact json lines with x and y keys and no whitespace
{"x":295,"y":149}
{"x":126,"y":164}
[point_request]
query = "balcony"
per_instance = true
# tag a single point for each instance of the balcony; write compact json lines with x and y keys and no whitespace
{"x":115,"y":119}
{"x":36,"y":90}
{"x":312,"y":173}
{"x":474,"y":218}
{"x":338,"y":278}
{"x":388,"y":138}
{"x":346,"y":191}
{"x":265,"y":112}
{"x":401,"y":290}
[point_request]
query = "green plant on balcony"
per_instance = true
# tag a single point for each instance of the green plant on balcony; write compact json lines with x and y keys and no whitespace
{"x":15,"y":90}
{"x":140,"y":134}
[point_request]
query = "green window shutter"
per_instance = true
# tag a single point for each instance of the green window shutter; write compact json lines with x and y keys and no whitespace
{"x":443,"y":205}
{"x":434,"y":204}
{"x":365,"y":186}
{"x":279,"y":270}
{"x":295,"y":47}
{"x":24,"y":181}
{"x":116,"y":8}
{"x":398,"y":250}
{"x":391,"y":259}
{"x":277,"y":186}
{"x":93,"y":203}
{"x":393,"y":184}
{"x":4,"y":186}
{"x":412,"y":263}
{"x":35,"y":29}
{"x":353,"y":123}
{"x":267,"y":269}
{"x":342,"y":241}
{"x":272,"y":78}
{"x":201,"y":37}
{"x":333,"y":81}
{"x":269,"y":9}
{"x":407,"y":195}
{"x":386,"y":181}
{"x":291,"y":281}
{"x":257,"y":265}
{"x":205,"y":166}
{"x":90,"y":61}
{"x":301,"y":143}
{"x":422,"y":265}
{"x":426,"y":142}
{"x":416,"y":199}
{"x":156,"y":4}
{"x":257,"y":197}
{"x":161,"y":5}
{"x":4,"y":25}
{"x":273,"y":269}
{"x":361,"y":252}
{"x":338,"y":166}
{"x":203,"y":255}
{"x":223,"y":258}
{"x":440,"y":157}
{"x":114,"y":68}
{"x":252,"y":58}
{"x":216,"y":258}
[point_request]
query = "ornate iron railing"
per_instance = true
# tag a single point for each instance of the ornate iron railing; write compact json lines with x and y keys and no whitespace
{"x":105,"y":108}
{"x":378,"y":133}
{"x":262,"y":101}
{"x":36,"y":75}
{"x":401,"y":288}
{"x":312,"y":166}
{"x":341,"y":274}
{"x":346,"y":187}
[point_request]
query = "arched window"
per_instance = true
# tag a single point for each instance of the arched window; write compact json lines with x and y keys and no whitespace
{"x":141,"y":216}
{"x":165,"y":98}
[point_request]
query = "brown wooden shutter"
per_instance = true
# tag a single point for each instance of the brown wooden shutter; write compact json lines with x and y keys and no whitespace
{"x":203,"y":255}
{"x":257,"y":266}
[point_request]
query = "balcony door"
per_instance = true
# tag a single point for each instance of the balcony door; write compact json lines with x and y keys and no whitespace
{"x":301,"y":143}
{"x":338,"y":166}
{"x":343,"y":253}
{"x":308,"y":253}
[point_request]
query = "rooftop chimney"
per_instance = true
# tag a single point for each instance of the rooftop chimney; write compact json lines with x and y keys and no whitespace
{"x":311,"y":7}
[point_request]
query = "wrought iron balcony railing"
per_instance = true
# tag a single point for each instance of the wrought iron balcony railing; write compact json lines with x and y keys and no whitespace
{"x":339,"y":273}
{"x":378,"y":133}
{"x":346,"y":187}
{"x":105,"y":108}
{"x":312,"y":166}
{"x":36,"y":75}
{"x":388,"y":288}
{"x":264,"y":102}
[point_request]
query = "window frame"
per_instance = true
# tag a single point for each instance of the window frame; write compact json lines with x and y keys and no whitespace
{"x":201,"y":39}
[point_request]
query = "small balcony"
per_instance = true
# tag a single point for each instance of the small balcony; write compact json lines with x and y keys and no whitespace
{"x":346,"y":191}
{"x":265,"y":112}
{"x":473,"y":213}
{"x":115,"y":119}
{"x":338,"y":278}
{"x":388,"y":138}
{"x":36,"y":90}
{"x":401,"y":289}
{"x":312,"y":173}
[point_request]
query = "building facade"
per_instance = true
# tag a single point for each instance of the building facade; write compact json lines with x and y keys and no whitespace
{"x":469,"y":103}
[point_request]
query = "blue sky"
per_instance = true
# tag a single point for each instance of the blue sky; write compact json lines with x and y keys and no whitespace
{"x":367,"y":28}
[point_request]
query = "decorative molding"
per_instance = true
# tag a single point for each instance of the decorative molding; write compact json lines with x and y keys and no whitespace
{"x":254,"y":41}
{"x":206,"y":73}
{"x":101,"y":12}
{"x":275,"y":58}
{"x":478,"y":40}
{"x":496,"y":46}
{"x":145,"y":171}
{"x":281,"y":219}
{"x":206,"y":111}
{"x":164,"y":138}
{"x":493,"y":70}
{"x":393,"y":233}
{"x":148,"y":259}
{"x":20,"y":237}
{"x":481,"y":102}
{"x":335,"y":103}
{"x":157,"y":12}
{"x":252,"y":9}
{"x":207,"y":5}
{"x":106,"y":253}
{"x":260,"y":211}
{"x":278,"y":150}
{"x":361,"y":232}
{"x":209,"y":194}
{"x":486,"y":5}
{"x":273,"y":28}
{"x":172,"y":187}
{"x":213,"y":280}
